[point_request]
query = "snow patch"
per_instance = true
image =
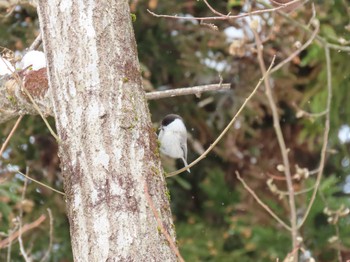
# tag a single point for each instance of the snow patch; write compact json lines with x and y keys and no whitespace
{"x":101,"y":225}
{"x":233,"y":33}
{"x":5,"y":67}
{"x":34,"y":59}
{"x":65,"y":6}
{"x":344,"y":134}
{"x":102,"y":158}
{"x":77,"y":198}
{"x":124,"y":238}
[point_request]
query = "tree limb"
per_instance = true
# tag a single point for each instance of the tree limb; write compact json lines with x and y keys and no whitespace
{"x":15,"y":102}
{"x":196,"y":90}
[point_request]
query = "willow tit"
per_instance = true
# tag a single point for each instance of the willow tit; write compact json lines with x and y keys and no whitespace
{"x":173,"y":138}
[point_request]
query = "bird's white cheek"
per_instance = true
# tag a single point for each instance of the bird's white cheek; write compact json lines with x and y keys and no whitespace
{"x":160,"y":135}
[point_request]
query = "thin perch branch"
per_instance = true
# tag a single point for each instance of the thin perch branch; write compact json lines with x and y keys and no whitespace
{"x":195,"y":90}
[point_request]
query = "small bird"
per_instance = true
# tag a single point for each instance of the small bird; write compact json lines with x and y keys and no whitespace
{"x":173,"y":138}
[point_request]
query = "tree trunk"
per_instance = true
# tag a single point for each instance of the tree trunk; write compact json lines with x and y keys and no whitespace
{"x":108,"y":148}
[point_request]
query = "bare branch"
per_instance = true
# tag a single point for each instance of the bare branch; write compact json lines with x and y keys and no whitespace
{"x":25,"y":228}
{"x":217,"y":140}
{"x":4,"y":145}
{"x":40,"y":183}
{"x":196,"y":90}
{"x":227,"y":17}
{"x":18,"y":100}
{"x":304,"y":27}
{"x":37,"y":42}
{"x":325,"y":136}
{"x":296,"y":52}
{"x":47,"y":254}
{"x":213,"y":10}
{"x":21,"y":246}
{"x":9,"y":246}
{"x":261,"y":203}
{"x":281,"y":142}
{"x":37,"y":108}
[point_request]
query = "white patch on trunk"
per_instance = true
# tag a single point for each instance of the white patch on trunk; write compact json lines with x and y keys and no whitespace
{"x":102,"y":158}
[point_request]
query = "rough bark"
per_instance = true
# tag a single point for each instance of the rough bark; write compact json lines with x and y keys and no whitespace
{"x":15,"y":102}
{"x":108,"y":147}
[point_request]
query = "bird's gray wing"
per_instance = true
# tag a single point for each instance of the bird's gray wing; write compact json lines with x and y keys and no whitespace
{"x":184,"y":148}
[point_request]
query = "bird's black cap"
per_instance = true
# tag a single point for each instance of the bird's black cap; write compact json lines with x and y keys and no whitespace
{"x":169,"y":119}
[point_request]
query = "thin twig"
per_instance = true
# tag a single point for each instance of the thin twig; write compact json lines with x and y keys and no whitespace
{"x":325,"y":136}
{"x":160,"y":224}
{"x":340,"y":259}
{"x":276,"y":191}
{"x":41,"y":114}
{"x":4,"y":145}
{"x":302,"y":113}
{"x":296,"y":52}
{"x":25,"y":228}
{"x":226,"y":128}
{"x":292,"y":255}
{"x":227,"y":17}
{"x":313,"y":17}
{"x":261,"y":203}
{"x":195,"y":90}
{"x":47,"y":254}
{"x":9,"y":247}
{"x":40,"y":183}
{"x":281,"y":142}
{"x":319,"y":39}
{"x":23,"y":194}
{"x":213,"y":10}
{"x":21,"y":246}
{"x":37,"y":42}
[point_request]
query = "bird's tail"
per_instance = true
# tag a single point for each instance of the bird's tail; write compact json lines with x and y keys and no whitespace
{"x":185,"y":163}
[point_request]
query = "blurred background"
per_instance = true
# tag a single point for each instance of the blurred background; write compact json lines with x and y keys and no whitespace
{"x":216,"y":218}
